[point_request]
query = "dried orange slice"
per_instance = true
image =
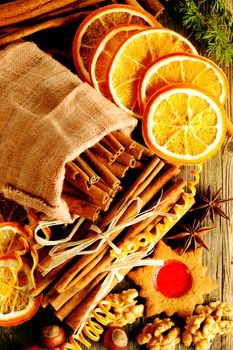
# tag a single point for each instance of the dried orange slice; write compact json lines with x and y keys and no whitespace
{"x":104,"y":51}
{"x":134,"y":56}
{"x":183,"y":68}
{"x":184,"y":124}
{"x":16,"y":306}
{"x":13,"y":237}
{"x":97,"y":24}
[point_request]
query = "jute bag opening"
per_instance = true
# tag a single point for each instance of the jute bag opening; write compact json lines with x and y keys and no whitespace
{"x":48,"y":116}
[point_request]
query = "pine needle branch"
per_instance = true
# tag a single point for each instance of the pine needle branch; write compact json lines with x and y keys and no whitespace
{"x":210,"y":23}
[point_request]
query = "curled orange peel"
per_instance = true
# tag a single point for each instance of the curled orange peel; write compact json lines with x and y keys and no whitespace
{"x":26,"y":239}
{"x":101,"y":313}
{"x":146,"y":238}
{"x":193,"y":183}
{"x":92,"y":329}
{"x":34,"y":246}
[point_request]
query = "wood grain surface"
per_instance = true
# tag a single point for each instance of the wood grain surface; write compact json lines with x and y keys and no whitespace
{"x":217,"y":172}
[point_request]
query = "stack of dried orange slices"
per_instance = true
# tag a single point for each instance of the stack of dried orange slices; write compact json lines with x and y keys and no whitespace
{"x":155,"y":74}
{"x":16,"y":305}
{"x":181,"y":97}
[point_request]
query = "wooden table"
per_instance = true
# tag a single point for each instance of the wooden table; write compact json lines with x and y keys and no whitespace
{"x":217,"y":172}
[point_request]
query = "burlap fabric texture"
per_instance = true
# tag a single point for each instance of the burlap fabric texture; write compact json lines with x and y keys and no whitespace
{"x":47,"y":118}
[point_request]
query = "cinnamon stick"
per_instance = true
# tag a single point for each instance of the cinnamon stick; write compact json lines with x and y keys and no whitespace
{"x":159,"y":164}
{"x":77,"y":299}
{"x":60,"y":299}
{"x":127,"y":159}
{"x":72,"y":301}
{"x":172,"y":195}
{"x":125,"y":140}
{"x":154,"y":6}
{"x":45,"y":282}
{"x":103,"y":152}
{"x":108,"y":145}
{"x":139,"y":165}
{"x":103,"y":186}
{"x":151,"y":225}
{"x":69,"y":189}
{"x":82,"y":208}
{"x":75,"y":317}
{"x":180,"y":201}
{"x":118,"y":169}
{"x":147,"y":153}
{"x":67,"y":9}
{"x":113,"y":145}
{"x":169,"y":198}
{"x":30,"y":29}
{"x":22,"y":10}
{"x":64,"y":282}
{"x":140,"y":184}
{"x":140,"y":151}
{"x":145,"y":196}
{"x":96,"y":195}
{"x":136,"y":151}
{"x":119,"y":148}
{"x":79,"y":234}
{"x":93,"y":177}
{"x":73,"y":171}
{"x":134,"y":3}
{"x":146,"y":187}
{"x":101,"y":169}
{"x":117,"y":190}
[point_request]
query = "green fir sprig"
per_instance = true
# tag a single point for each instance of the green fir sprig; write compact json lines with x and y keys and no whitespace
{"x":211,"y":23}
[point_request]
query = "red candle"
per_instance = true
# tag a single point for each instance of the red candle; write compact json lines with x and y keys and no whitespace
{"x":173,"y":279}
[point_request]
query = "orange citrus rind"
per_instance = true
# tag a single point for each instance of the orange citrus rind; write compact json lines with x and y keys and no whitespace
{"x":16,"y":305}
{"x":13,"y":237}
{"x":95,"y":26}
{"x":184,"y":124}
{"x":133,"y":57}
{"x":104,"y":51}
{"x":183,"y":68}
{"x":19,"y":240}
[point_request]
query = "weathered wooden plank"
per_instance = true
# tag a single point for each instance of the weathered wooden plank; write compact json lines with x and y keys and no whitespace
{"x":218,"y":172}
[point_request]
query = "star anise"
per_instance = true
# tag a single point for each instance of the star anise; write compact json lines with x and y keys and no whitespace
{"x":192,"y":235}
{"x":211,"y":204}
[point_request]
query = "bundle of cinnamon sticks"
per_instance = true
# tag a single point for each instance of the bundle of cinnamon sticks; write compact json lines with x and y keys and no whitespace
{"x":21,"y":18}
{"x":94,"y":178}
{"x":72,"y":287}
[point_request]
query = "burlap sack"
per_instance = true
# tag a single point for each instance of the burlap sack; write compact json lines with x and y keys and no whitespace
{"x":47,"y":117}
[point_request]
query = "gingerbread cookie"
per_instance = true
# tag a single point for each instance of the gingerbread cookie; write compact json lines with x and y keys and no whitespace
{"x":175,"y":287}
